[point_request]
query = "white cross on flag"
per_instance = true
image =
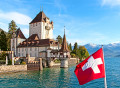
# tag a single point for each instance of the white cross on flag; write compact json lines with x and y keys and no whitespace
{"x":91,"y":68}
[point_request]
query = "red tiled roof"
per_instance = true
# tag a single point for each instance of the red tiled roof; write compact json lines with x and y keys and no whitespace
{"x":20,"y":34}
{"x":31,"y":42}
{"x":39,"y":18}
{"x":32,"y":37}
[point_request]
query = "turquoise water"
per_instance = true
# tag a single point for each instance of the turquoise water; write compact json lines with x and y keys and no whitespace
{"x":61,"y":78}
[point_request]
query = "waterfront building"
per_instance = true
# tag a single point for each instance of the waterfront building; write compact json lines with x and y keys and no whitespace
{"x":40,"y":39}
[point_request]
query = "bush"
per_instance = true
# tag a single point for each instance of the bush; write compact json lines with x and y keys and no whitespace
{"x":2,"y":62}
{"x":10,"y":62}
{"x":3,"y":56}
{"x":21,"y":60}
{"x":73,"y":55}
{"x":23,"y":63}
{"x":57,"y":61}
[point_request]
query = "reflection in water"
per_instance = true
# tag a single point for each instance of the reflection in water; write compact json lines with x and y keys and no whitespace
{"x":61,"y":78}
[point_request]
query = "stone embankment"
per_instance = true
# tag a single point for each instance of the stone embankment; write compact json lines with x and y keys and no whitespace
{"x":12,"y":68}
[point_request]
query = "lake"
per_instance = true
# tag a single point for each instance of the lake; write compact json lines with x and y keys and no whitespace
{"x":61,"y":78}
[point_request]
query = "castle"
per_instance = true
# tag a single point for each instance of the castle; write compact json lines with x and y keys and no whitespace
{"x":40,"y":43}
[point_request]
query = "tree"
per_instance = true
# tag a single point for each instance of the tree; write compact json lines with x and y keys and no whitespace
{"x":70,"y":47}
{"x":3,"y":41}
{"x":80,"y":52}
{"x":84,"y":53}
{"x":75,"y":48}
{"x":59,"y":38}
{"x":12,"y":28}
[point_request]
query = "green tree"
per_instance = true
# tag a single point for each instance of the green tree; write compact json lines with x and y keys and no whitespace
{"x":84,"y":53}
{"x":75,"y":48}
{"x":3,"y":41}
{"x":70,"y":47}
{"x":12,"y":28}
{"x":59,"y":38}
{"x":2,"y":57}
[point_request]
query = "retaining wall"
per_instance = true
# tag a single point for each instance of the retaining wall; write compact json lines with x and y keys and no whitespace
{"x":72,"y":61}
{"x":13,"y":68}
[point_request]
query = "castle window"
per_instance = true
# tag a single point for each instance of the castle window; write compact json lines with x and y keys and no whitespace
{"x":30,"y":54}
{"x":19,"y":54}
{"x":35,"y":48}
{"x":35,"y":54}
{"x":22,"y":49}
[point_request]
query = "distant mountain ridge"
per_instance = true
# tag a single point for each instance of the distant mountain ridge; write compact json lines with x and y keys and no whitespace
{"x":110,"y":50}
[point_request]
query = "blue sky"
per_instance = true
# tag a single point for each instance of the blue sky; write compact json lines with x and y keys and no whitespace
{"x":86,"y":21}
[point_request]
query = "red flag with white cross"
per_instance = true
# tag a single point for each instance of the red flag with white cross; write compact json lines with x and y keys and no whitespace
{"x":91,"y":68}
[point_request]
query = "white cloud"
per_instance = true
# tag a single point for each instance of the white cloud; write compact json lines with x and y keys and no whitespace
{"x":19,"y":18}
{"x":111,"y":2}
{"x":4,"y":26}
{"x":79,"y":41}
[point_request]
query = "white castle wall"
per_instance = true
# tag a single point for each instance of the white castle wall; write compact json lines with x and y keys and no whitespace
{"x":35,"y":28}
{"x":32,"y":51}
{"x":39,"y":28}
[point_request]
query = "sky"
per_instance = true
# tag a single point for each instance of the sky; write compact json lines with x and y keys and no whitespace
{"x":85,"y":21}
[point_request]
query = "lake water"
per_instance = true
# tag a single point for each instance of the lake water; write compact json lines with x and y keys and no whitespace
{"x":61,"y":78}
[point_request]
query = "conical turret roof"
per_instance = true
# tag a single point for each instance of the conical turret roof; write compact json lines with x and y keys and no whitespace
{"x":64,"y":47}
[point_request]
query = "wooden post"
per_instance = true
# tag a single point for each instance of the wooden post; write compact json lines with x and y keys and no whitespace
{"x":40,"y":64}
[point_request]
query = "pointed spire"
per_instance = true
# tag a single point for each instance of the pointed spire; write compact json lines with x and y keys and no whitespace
{"x":64,"y":30}
{"x":64,"y":47}
{"x":40,"y":8}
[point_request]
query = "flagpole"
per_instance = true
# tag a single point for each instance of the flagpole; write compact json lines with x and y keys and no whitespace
{"x":105,"y":82}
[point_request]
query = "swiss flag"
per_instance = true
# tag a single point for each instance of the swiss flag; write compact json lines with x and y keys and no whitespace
{"x":91,"y":68}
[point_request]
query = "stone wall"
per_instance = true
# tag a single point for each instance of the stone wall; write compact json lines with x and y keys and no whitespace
{"x":35,"y":65}
{"x":13,"y":68}
{"x":72,"y":61}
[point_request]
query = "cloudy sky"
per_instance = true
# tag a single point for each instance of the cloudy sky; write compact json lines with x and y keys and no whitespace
{"x":86,"y":21}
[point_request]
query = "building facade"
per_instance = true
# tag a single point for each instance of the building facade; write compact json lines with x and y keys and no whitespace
{"x":42,"y":26}
{"x":40,"y":39}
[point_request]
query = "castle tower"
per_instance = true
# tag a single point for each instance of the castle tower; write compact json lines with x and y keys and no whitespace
{"x":42,"y":26}
{"x":64,"y":53}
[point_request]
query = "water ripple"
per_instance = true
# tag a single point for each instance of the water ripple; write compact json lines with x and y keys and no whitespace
{"x":61,"y":78}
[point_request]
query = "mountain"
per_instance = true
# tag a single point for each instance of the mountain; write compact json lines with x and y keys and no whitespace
{"x":110,"y":50}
